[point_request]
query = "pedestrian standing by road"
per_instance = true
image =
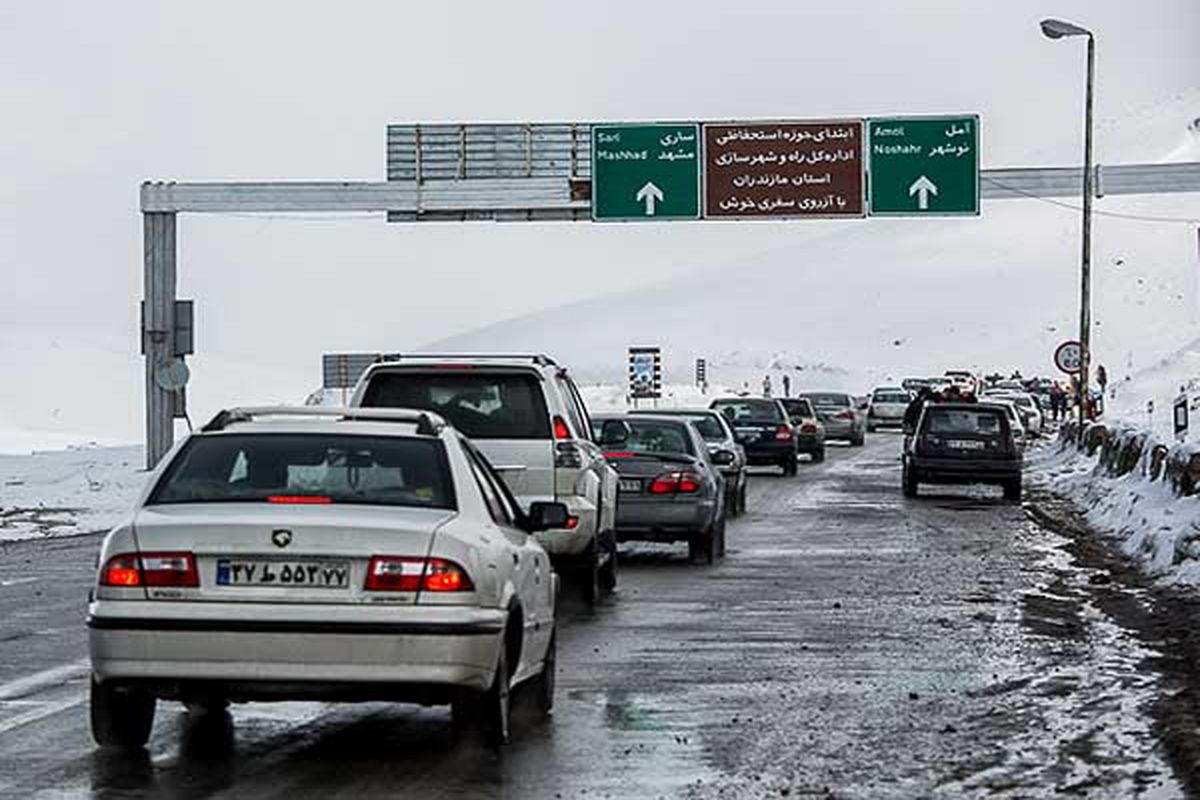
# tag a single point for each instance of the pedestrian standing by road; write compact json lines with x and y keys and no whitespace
{"x":787,"y":386}
{"x":766,"y":385}
{"x":1058,"y":402}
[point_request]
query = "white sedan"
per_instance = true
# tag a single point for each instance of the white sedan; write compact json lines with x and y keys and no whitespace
{"x":332,"y":554}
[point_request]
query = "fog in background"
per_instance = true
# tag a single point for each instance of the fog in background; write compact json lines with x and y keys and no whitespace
{"x":100,"y":96}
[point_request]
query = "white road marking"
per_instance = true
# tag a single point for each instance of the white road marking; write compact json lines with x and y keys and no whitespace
{"x":45,"y":679}
{"x":17,"y":581}
{"x":46,"y":710}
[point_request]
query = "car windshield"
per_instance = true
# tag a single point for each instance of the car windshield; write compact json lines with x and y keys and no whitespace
{"x":706,"y":423}
{"x":798,"y":407}
{"x":962,"y":420}
{"x":322,"y":468}
{"x":653,"y":436}
{"x":750,"y":410}
{"x":483,"y":405}
{"x":830,"y":400}
{"x":891,"y":397}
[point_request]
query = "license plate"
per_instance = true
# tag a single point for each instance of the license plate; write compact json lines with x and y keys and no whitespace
{"x":964,"y":444}
{"x":323,"y":574}
{"x":630,"y":485}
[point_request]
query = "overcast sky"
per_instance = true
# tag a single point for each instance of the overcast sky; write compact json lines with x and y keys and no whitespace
{"x":101,"y":95}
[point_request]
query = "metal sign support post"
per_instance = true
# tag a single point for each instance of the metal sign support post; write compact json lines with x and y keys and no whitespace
{"x":158,"y":329}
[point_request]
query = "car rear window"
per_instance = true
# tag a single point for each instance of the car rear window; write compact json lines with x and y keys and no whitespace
{"x":891,"y":397}
{"x":962,"y":420}
{"x":652,"y":436}
{"x":750,"y":410}
{"x":481,"y":405}
{"x":335,"y":468}
{"x":798,"y":407}
{"x":829,"y":400}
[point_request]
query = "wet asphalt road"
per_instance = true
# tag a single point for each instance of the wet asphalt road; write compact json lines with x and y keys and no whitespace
{"x":852,"y":644}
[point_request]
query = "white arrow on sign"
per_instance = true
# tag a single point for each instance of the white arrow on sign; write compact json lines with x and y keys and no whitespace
{"x":922,"y":188}
{"x":650,"y":194}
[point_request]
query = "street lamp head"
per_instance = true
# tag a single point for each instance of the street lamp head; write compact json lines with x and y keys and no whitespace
{"x":1057,"y":29}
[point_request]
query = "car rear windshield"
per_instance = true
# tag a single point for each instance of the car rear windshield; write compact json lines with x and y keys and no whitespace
{"x":482,"y":405}
{"x":652,"y":436}
{"x":750,"y":410}
{"x":962,"y":420}
{"x":319,"y":468}
{"x":829,"y":400}
{"x":891,"y":397}
{"x":798,"y":407}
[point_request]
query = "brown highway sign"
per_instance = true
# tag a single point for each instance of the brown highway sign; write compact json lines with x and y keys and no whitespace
{"x":783,"y":169}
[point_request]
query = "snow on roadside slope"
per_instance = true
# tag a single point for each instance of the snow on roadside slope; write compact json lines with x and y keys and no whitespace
{"x":1151,"y":524}
{"x":67,"y":492}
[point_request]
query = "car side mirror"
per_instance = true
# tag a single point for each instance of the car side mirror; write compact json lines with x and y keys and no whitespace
{"x":544,"y":516}
{"x":614,"y":431}
{"x":723,"y":458}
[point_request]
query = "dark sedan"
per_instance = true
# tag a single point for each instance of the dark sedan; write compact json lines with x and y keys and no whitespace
{"x":763,"y":429}
{"x":669,"y":490}
{"x":726,"y":453}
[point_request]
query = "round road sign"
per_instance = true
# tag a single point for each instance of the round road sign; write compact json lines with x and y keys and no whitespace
{"x":1069,"y":357}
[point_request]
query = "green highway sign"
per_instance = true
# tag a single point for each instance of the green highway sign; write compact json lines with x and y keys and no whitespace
{"x":923,"y":166}
{"x":646,"y":171}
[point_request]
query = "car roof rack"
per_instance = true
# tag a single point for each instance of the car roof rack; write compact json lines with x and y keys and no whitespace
{"x":541,"y":359}
{"x":428,"y":423}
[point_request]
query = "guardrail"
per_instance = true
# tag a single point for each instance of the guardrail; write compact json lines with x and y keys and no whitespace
{"x":1122,"y":450}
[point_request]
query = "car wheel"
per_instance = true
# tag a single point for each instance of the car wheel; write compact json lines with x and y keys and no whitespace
{"x":910,"y":483}
{"x":494,"y":708}
{"x":858,"y":441}
{"x":871,"y":429}
{"x":589,"y":575}
{"x":543,"y":684}
{"x":742,"y":499}
{"x":819,"y":455}
{"x":719,"y":535}
{"x":789,"y":466}
{"x":608,"y":573}
{"x":120,"y":717}
{"x":731,"y":503}
{"x":1012,"y":490}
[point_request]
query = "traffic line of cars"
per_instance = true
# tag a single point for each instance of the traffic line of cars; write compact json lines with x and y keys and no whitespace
{"x":408,"y":547}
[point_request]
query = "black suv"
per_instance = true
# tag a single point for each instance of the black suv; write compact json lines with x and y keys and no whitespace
{"x":962,"y":443}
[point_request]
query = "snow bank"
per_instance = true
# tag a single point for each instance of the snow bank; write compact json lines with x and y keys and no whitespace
{"x":75,"y":491}
{"x":1136,"y":488}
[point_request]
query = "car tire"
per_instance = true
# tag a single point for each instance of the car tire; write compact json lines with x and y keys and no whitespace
{"x":741,"y":500}
{"x":818,"y":455}
{"x":1012,"y":490}
{"x":542,"y":686}
{"x":731,"y":503}
{"x":858,"y":440}
{"x":911,"y":486}
{"x":589,"y":577}
{"x":608,"y":572}
{"x":871,"y":429}
{"x":120,"y":717}
{"x":494,"y":715}
{"x":790,"y":467}
{"x":720,"y":543}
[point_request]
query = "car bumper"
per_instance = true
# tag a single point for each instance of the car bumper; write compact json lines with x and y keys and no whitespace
{"x":771,"y":452}
{"x":886,"y":421}
{"x":216,"y":643}
{"x":810,"y":443}
{"x":840,"y":429}
{"x":964,"y":470}
{"x":656,"y":520}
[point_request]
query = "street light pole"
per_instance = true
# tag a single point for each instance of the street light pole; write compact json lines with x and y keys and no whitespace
{"x":1057,"y":29}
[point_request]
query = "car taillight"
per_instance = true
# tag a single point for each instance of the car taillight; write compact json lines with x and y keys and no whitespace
{"x":808,"y":427}
{"x":783,"y":433}
{"x":151,"y":569}
{"x":411,"y":574}
{"x":567,"y":455}
{"x":846,"y":415}
{"x":620,"y":454}
{"x":561,"y":431}
{"x":676,"y":483}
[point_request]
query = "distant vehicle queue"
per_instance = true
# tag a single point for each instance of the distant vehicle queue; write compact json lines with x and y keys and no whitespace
{"x":408,"y":547}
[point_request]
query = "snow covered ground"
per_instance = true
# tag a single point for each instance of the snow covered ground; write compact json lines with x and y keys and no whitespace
{"x":1148,"y":522}
{"x":66,"y":492}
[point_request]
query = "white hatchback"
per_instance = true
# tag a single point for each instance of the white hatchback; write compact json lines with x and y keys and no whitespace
{"x":332,"y":554}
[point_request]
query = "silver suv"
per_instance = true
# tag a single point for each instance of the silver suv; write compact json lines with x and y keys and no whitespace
{"x":526,"y":415}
